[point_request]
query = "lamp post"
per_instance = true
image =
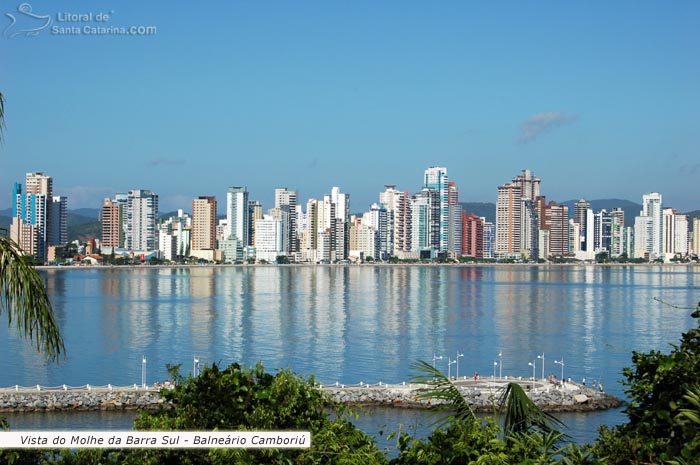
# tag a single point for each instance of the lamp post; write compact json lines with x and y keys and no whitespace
{"x":532,"y":364}
{"x":458,"y":355}
{"x":195,"y":367}
{"x":435,"y":357}
{"x":143,"y":371}
{"x":558,"y":362}
{"x":542,"y":357}
{"x":500,"y":365}
{"x":494,"y":370}
{"x":449,"y":365}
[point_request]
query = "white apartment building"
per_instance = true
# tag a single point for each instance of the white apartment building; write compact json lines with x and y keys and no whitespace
{"x":142,"y":219}
{"x":269,"y":238}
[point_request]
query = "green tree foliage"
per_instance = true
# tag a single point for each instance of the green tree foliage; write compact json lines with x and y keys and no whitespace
{"x":528,"y":435}
{"x":240,"y":398}
{"x":662,"y":389}
{"x":23,"y":297}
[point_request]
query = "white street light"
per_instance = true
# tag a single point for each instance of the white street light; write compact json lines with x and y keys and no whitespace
{"x":494,"y":369}
{"x":500,"y":365}
{"x":143,"y":371}
{"x":542,"y":357}
{"x":458,"y":355}
{"x":562,"y":367}
{"x":532,"y":364}
{"x":195,"y":367}
{"x":449,"y":365}
{"x":435,"y":357}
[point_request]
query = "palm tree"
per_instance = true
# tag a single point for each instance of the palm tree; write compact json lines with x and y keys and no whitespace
{"x":22,"y":292}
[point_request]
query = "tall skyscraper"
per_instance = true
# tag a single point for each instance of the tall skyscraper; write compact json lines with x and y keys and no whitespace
{"x":32,"y":227}
{"x":602,"y":231}
{"x":473,"y":236}
{"x":58,"y":234}
{"x":255,"y":212}
{"x":580,"y":211}
{"x":425,"y":221}
{"x":617,"y":232}
{"x":286,"y":201}
{"x":436,"y":178}
{"x":517,"y":220}
{"x":508,"y":221}
{"x":142,"y":220}
{"x":398,"y":219}
{"x":652,"y":208}
{"x":237,"y":214}
{"x":556,"y":222}
{"x":203,"y":234}
{"x":111,"y":218}
{"x":675,"y":234}
{"x":377,"y":219}
{"x":342,"y":223}
{"x":529,"y":185}
{"x":454,"y":224}
{"x":648,"y":228}
{"x":696,"y":236}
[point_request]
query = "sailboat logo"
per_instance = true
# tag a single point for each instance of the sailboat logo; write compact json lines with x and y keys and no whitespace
{"x":25,"y":23}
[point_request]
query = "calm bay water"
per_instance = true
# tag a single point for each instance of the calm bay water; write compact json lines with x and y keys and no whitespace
{"x":358,"y":323}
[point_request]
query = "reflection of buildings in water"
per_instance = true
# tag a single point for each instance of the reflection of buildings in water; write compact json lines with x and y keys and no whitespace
{"x":229,"y":333}
{"x":202,"y":282}
{"x":199,"y":314}
{"x":55,"y":281}
{"x":138,"y":299}
{"x":265,"y":318}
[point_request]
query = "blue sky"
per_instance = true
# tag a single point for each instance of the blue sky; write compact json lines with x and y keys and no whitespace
{"x":599,"y":99}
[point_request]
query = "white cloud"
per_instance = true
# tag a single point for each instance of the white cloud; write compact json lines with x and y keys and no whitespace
{"x":540,"y":123}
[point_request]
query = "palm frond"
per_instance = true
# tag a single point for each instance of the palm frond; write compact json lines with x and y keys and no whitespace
{"x":521,"y":413}
{"x":441,"y":387}
{"x":23,"y":295}
{"x":2,"y":115}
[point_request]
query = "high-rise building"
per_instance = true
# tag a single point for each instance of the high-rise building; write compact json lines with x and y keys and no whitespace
{"x":255,"y":212}
{"x":268,"y":238}
{"x":648,"y":228}
{"x":142,"y":220}
{"x":529,"y":233}
{"x":580,"y":211}
{"x":556,"y":223}
{"x":425,"y":221}
{"x":675,"y":234}
{"x":377,"y":218}
{"x":473,"y":235}
{"x":617,"y":232}
{"x":696,"y":236}
{"x":33,"y":208}
{"x":286,"y":201}
{"x":58,"y":233}
{"x":237,"y":214}
{"x":602,"y":231}
{"x":203,"y":234}
{"x":508,"y":221}
{"x":436,"y":178}
{"x":489,"y":239}
{"x":341,"y":243}
{"x":111,"y":218}
{"x":398,"y":219}
{"x":529,"y":185}
{"x":454,"y":224}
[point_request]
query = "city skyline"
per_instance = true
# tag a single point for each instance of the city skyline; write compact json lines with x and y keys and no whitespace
{"x":599,"y":100}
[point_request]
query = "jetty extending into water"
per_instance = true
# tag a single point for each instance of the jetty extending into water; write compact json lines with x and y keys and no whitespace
{"x":481,"y":395}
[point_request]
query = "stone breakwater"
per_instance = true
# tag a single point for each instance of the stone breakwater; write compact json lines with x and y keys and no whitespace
{"x":480,"y":396}
{"x":81,"y":400}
